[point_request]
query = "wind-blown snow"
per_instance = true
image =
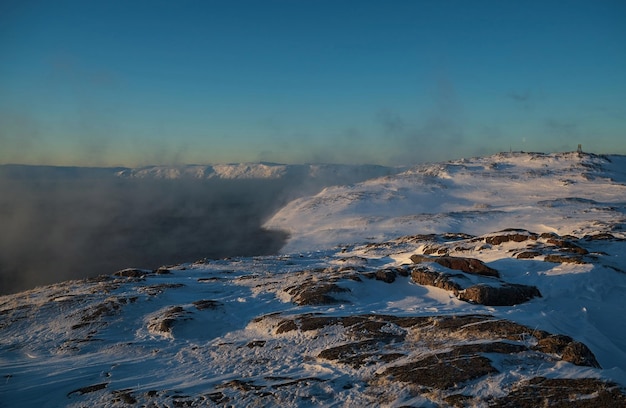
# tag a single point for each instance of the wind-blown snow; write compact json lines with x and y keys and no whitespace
{"x":205,"y":332}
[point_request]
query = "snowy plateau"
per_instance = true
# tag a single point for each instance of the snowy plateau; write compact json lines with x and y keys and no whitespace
{"x":497,"y":281}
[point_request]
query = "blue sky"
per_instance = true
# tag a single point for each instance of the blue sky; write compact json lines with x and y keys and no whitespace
{"x":389,"y":82}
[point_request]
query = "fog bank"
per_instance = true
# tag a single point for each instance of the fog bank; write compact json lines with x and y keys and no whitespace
{"x":60,"y":223}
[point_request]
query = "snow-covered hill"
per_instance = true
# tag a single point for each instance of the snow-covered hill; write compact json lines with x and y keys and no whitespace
{"x":566,"y":193}
{"x":503,"y":286}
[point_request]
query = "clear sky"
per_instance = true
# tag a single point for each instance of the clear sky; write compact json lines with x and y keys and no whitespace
{"x":131,"y":82}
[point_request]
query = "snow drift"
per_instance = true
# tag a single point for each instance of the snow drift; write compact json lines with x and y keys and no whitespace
{"x":386,"y":318}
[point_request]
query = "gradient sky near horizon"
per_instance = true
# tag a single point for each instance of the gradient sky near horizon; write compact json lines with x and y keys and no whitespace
{"x":132,"y":83}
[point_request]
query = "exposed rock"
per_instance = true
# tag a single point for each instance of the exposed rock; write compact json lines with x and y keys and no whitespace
{"x":562,"y":392}
{"x":92,"y":315}
{"x":132,"y":273}
{"x":467,"y":265}
{"x":441,"y":371}
{"x":424,"y":276}
{"x":507,"y":294}
{"x":89,"y":388}
{"x":446,"y":370}
{"x":603,"y":236}
{"x":315,"y":293}
{"x":567,"y":246}
{"x":154,"y":290}
{"x":512,"y":235}
{"x":555,"y":258}
{"x":256,"y":343}
{"x":357,"y":354}
{"x":163,"y":323}
{"x":386,"y":275}
{"x":124,"y":396}
{"x":206,"y":304}
{"x":494,"y":293}
{"x":435,"y":352}
{"x":528,"y":255}
{"x":569,"y":350}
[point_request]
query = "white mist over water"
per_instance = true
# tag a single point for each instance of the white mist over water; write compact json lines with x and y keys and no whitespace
{"x":62,"y":223}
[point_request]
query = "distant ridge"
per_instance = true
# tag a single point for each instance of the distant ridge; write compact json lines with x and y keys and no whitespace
{"x":261,"y":170}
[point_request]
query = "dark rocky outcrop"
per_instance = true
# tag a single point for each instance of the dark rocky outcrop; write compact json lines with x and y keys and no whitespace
{"x":506,"y":294}
{"x":556,"y":258}
{"x":440,"y":354}
{"x":132,"y":273}
{"x":467,"y":265}
{"x":206,"y":304}
{"x":494,"y":293}
{"x":316,"y":293}
{"x":424,"y":276}
{"x":386,"y":275}
{"x":514,"y":235}
{"x":441,"y":371}
{"x":567,"y":246}
{"x":569,"y":350}
{"x":163,"y":323}
{"x":528,"y":254}
{"x":562,"y":392}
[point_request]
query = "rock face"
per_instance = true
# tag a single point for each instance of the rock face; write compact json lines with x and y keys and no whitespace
{"x":506,"y":294}
{"x":561,"y":392}
{"x":449,"y":355}
{"x":467,"y":265}
{"x":427,"y":277}
{"x":489,"y":292}
{"x":316,"y":293}
{"x":471,"y":280}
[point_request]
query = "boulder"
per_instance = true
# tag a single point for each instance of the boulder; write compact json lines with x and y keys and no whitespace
{"x":424,"y":276}
{"x":386,"y":275}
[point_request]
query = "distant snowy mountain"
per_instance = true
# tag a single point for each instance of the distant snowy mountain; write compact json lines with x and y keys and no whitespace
{"x":343,"y":173}
{"x":487,"y":282}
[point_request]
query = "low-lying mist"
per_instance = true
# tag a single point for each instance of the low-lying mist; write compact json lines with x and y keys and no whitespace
{"x":67,"y":223}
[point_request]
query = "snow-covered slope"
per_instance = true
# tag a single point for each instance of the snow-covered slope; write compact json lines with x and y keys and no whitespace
{"x":502,"y":317}
{"x":567,"y":193}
